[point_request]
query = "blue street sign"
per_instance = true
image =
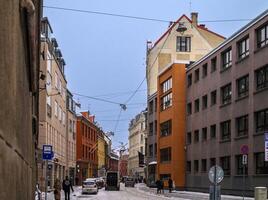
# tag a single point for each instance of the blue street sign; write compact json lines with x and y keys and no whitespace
{"x":266,"y":146}
{"x":47,"y":152}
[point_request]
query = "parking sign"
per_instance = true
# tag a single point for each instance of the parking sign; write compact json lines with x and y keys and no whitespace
{"x":47,"y":152}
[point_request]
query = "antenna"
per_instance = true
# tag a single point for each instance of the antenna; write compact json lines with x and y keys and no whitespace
{"x":190,"y":6}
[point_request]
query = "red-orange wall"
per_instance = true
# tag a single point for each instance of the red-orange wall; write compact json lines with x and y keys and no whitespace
{"x":177,"y":114}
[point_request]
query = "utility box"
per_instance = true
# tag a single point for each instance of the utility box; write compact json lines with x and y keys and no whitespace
{"x":260,"y":193}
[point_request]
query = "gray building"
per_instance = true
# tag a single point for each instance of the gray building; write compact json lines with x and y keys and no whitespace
{"x":151,"y":145}
{"x":227,"y":107}
{"x":19,"y":90}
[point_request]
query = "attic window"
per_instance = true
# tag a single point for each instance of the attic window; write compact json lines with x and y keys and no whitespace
{"x":183,"y":44}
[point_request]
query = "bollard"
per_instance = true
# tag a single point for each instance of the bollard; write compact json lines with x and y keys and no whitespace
{"x":260,"y":193}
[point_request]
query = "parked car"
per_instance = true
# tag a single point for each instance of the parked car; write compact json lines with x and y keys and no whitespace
{"x":129,"y":182}
{"x":112,"y":181}
{"x":89,"y":187}
{"x":100,"y":182}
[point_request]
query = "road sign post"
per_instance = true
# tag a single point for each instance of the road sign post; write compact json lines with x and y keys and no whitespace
{"x":215,"y":176}
{"x":266,"y":146}
{"x":244,"y":152}
{"x":47,"y":155}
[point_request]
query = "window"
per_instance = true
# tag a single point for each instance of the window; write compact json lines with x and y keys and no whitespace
{"x":188,"y":166}
{"x":150,"y":150}
{"x":189,"y":80}
{"x":56,"y":109}
{"x":189,"y":138}
{"x":196,"y":166}
{"x":213,"y":131}
{"x":165,"y":155}
{"x":183,"y":44}
{"x":213,"y":96}
{"x":155,"y":127}
{"x":261,"y":166}
{"x":141,"y":150}
{"x":196,"y":136}
{"x":212,"y":162}
{"x":166,"y":128}
{"x":261,"y":120}
{"x":204,"y":165}
{"x":226,"y":94}
{"x":60,"y":114}
{"x":227,"y":59}
{"x":196,"y":75}
{"x":141,"y":138}
{"x":242,"y":86}
{"x":204,"y":102}
{"x":226,"y":130}
{"x":262,"y":36}
{"x":151,"y":107}
{"x":196,"y":105}
{"x":243,"y":48}
{"x":155,"y":149}
{"x":213,"y":64}
{"x":166,"y":101}
{"x":205,"y":70}
{"x":151,"y":128}
{"x":167,"y":85}
{"x":189,"y":108}
{"x":204,"y":134}
{"x":225,"y":164}
{"x":262,"y":77}
{"x":242,"y":125}
{"x":240,"y":166}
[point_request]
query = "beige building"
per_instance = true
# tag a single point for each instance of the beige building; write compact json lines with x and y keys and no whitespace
{"x":71,"y":135}
{"x":136,"y":139}
{"x":52,"y":105}
{"x":101,"y":154}
{"x":185,"y":41}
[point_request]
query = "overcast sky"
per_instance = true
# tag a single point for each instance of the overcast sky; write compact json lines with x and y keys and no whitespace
{"x":105,"y":55}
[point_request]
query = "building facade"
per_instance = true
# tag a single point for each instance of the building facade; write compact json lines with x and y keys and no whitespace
{"x":227,"y":108}
{"x":19,"y":81}
{"x":86,"y":147}
{"x":184,"y":41}
{"x":113,"y":162}
{"x":136,"y":138}
{"x":123,"y":165}
{"x":171,"y":128}
{"x":101,"y":154}
{"x":71,"y":135}
{"x":52,"y":106}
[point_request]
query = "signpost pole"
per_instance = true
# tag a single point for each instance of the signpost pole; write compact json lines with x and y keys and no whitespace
{"x":215,"y":182}
{"x":45,"y":179}
{"x":244,"y":173}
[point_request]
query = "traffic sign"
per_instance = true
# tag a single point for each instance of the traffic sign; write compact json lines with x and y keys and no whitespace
{"x":266,"y":146}
{"x":244,"y":149}
{"x":215,"y":170}
{"x":245,"y":159}
{"x":47,"y":152}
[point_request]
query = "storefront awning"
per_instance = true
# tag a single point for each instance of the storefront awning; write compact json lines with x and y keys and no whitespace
{"x":152,"y":163}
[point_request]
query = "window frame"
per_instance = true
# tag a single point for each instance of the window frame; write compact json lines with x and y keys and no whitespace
{"x":225,"y":133}
{"x":226,"y":94}
{"x":167,"y":127}
{"x":165,"y":158}
{"x":243,"y":48}
{"x":212,"y":98}
{"x":263,"y":126}
{"x":239,"y":167}
{"x":261,"y":167}
{"x":242,"y":92}
{"x":213,"y":126}
{"x":226,"y":59}
{"x":263,"y":72}
{"x":226,"y":166}
{"x":183,"y":44}
{"x":204,"y":102}
{"x":262,"y":42}
{"x":244,"y":130}
{"x":213,"y":64}
{"x":166,"y":101}
{"x":196,"y":105}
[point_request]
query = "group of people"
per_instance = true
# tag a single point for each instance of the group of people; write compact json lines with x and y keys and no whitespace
{"x":66,"y":186}
{"x":160,"y":186}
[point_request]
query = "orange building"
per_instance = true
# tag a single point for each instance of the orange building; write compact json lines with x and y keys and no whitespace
{"x":86,"y":147}
{"x":171,"y":124}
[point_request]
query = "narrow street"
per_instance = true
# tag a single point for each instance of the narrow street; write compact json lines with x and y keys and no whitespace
{"x":124,"y":194}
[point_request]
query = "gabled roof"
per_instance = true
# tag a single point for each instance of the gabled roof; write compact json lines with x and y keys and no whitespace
{"x":190,"y":21}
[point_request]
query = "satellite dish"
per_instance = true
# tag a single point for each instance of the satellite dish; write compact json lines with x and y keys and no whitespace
{"x":181,"y":28}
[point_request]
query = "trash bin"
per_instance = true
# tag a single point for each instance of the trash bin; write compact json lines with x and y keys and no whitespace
{"x":260,"y":193}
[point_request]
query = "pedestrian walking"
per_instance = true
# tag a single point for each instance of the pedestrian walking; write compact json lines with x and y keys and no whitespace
{"x":158,"y":186}
{"x":161,"y":186}
{"x":67,"y":186}
{"x":57,"y":189}
{"x":170,"y":185}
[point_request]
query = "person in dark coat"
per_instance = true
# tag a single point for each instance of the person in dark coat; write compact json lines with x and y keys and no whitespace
{"x":170,"y":185}
{"x":161,"y":186}
{"x":67,"y":186}
{"x":158,"y":186}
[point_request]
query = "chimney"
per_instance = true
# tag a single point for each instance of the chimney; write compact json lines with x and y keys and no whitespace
{"x":194,"y":16}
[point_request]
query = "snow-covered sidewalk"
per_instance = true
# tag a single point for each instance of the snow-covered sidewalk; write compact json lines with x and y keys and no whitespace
{"x":187,"y":195}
